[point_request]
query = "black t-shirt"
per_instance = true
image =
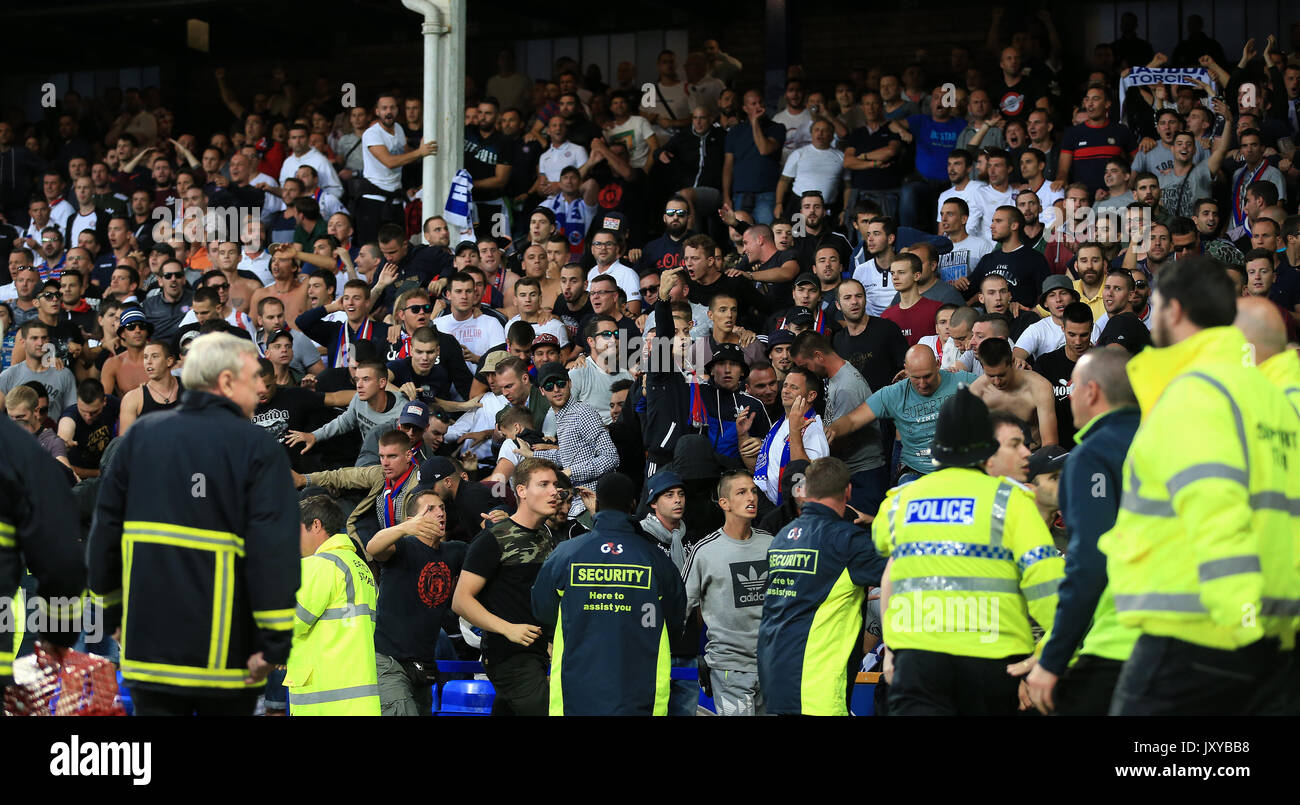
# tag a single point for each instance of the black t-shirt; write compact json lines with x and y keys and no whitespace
{"x":60,"y":335}
{"x":864,"y":142}
{"x":482,"y":155}
{"x":473,"y":500}
{"x":435,"y":384}
{"x":1024,"y":270}
{"x":1015,"y":103}
{"x":294,"y":408}
{"x":1056,"y":367}
{"x":422,"y":265}
{"x":574,"y":320}
{"x":778,"y":293}
{"x":753,"y":305}
{"x":288,"y":410}
{"x":523,"y":165}
{"x":92,"y":439}
{"x":877,"y":352}
{"x":415,"y":587}
{"x":660,"y":254}
{"x":509,"y":556}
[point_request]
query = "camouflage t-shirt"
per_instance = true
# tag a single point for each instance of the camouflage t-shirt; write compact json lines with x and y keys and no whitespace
{"x":509,"y":556}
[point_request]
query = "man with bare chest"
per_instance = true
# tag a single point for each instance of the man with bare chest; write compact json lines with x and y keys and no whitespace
{"x":1021,"y":392}
{"x":125,"y":371}
{"x":241,"y":290}
{"x":287,"y":287}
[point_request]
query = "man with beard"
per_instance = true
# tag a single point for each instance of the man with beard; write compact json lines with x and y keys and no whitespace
{"x":666,"y":252}
{"x":1090,"y":266}
{"x":873,"y":345}
{"x":488,"y":156}
{"x":817,"y":231}
{"x":384,"y":157}
{"x":1023,"y":268}
{"x":573,"y":307}
{"x":1187,"y":535}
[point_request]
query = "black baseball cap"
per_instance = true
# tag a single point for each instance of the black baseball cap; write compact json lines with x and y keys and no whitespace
{"x":1047,"y":460}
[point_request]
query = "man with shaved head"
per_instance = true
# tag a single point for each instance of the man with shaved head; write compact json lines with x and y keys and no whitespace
{"x":1261,"y":322}
{"x":1103,"y":401}
{"x":913,"y":403}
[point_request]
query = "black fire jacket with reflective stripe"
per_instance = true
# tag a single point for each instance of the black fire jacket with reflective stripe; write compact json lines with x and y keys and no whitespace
{"x":38,"y":530}
{"x":194,"y":546}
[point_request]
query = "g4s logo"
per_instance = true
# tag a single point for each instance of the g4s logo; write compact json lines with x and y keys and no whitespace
{"x":614,"y":548}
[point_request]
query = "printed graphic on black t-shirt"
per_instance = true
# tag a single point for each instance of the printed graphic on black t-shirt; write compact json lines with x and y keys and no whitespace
{"x":748,"y":583}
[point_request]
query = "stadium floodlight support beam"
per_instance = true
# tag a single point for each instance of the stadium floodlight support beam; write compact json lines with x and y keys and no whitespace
{"x":443,"y":30}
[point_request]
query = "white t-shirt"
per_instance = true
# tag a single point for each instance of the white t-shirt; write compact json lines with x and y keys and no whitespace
{"x":635,"y":133}
{"x":626,"y":278}
{"x":259,"y":265}
{"x":670,"y":102}
{"x":969,"y":194}
{"x":478,"y":334}
{"x":79,"y":223}
{"x":389,"y":179}
{"x":965,"y":255}
{"x":1041,"y":337}
{"x":1047,"y":197}
{"x":814,"y":443}
{"x":557,"y":158}
{"x":60,"y":212}
{"x":812,"y":168}
{"x":990,"y":199}
{"x":326,"y":177}
{"x":482,"y":418}
{"x":554,"y":326}
{"x":798,"y":130}
{"x":880,"y":291}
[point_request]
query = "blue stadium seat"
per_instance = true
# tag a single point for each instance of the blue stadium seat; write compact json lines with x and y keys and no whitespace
{"x":467,"y":697}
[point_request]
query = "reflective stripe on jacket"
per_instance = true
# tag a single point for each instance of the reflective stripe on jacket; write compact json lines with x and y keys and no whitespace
{"x":1203,"y":549}
{"x":332,"y":669}
{"x":973,"y":560}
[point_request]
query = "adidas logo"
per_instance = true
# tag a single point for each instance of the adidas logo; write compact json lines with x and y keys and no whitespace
{"x":755,"y":581}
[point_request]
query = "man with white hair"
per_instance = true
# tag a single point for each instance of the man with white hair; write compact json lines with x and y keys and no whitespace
{"x":166,"y":506}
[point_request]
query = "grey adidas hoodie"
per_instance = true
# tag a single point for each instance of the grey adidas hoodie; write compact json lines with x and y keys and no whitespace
{"x":671,"y":540}
{"x":360,"y":416}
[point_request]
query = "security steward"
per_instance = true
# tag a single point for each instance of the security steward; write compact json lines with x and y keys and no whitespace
{"x":610,"y":600}
{"x":194,"y":544}
{"x":819,"y":567}
{"x":1088,"y":646}
{"x":1202,"y":558}
{"x":970,"y":561}
{"x":38,"y":536}
{"x":332,"y":669}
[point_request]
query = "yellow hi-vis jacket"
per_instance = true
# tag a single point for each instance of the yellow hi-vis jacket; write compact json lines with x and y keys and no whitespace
{"x":972,"y":561}
{"x":332,"y":669}
{"x":1204,"y":546}
{"x":1283,"y":371}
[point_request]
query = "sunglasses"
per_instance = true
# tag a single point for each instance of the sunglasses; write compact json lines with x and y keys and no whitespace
{"x":49,"y":295}
{"x":43,"y":410}
{"x":173,"y":275}
{"x":675,"y":213}
{"x":135,"y":325}
{"x":220,"y":286}
{"x":1141,"y":285}
{"x":418,"y":308}
{"x":607,"y":334}
{"x":441,"y":417}
{"x":552,"y":385}
{"x":650,"y":289}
